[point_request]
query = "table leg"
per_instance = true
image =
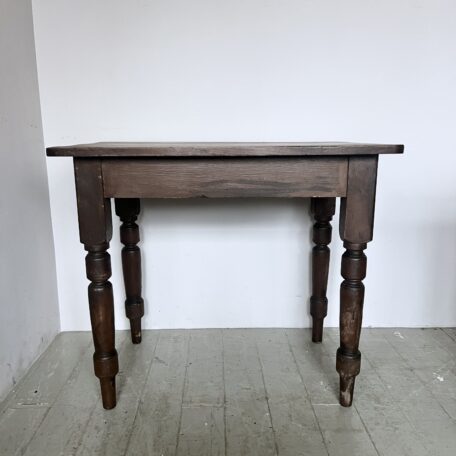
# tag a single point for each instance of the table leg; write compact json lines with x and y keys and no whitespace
{"x":356,"y":229}
{"x":323,"y":210}
{"x":94,"y":213}
{"x":128,"y":210}
{"x":351,"y":314}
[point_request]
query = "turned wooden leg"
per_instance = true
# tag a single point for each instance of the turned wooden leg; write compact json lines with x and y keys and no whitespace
{"x":323,"y":210}
{"x":95,"y":231}
{"x":356,"y":229}
{"x":101,"y":303}
{"x":128,"y":210}
{"x":351,"y":314}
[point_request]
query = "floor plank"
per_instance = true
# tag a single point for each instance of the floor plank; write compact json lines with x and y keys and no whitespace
{"x":202,"y":427}
{"x":317,"y":366}
{"x":294,"y":423}
{"x":17,"y":427}
{"x":108,"y":433}
{"x":386,"y":423}
{"x":451,"y":332}
{"x":238,"y":392}
{"x":248,"y":421}
{"x":63,"y":429}
{"x":47,"y":377}
{"x":156,"y":425}
{"x":343,"y":431}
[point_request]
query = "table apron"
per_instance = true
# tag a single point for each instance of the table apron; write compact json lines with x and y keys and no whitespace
{"x":288,"y":177}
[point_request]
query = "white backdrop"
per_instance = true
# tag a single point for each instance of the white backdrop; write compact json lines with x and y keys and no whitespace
{"x":28,"y":290}
{"x":259,"y":70}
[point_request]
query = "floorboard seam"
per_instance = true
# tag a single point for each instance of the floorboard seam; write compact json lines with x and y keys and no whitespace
{"x":224,"y":393}
{"x":183,"y":393}
{"x":423,"y":384}
{"x":92,"y":410}
{"x":444,"y":330}
{"x":81,"y":359}
{"x":276,"y":446}
{"x":388,"y":418}
{"x":290,"y":348}
{"x":5,"y":404}
{"x":367,"y":430}
{"x":141,"y":393}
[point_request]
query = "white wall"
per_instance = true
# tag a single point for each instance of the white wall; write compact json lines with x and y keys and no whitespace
{"x":28,"y":290}
{"x":265,"y":70}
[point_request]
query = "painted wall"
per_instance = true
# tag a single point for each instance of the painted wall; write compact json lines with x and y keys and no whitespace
{"x":28,"y":289}
{"x":291,"y":70}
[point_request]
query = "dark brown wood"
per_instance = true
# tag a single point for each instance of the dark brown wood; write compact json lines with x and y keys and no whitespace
{"x":357,"y":209}
{"x":348,"y":362}
{"x":221,"y":149}
{"x":95,"y":230}
{"x":129,"y":171}
{"x":101,"y":303}
{"x":128,"y":210}
{"x":323,"y":210}
{"x":94,"y":210}
{"x":356,"y":229}
{"x":225,"y":177}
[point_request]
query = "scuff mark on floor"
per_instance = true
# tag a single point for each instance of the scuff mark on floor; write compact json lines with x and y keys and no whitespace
{"x":438,"y":377}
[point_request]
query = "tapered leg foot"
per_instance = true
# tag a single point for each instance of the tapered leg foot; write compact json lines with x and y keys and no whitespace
{"x":347,"y":386}
{"x":128,"y":210}
{"x":348,"y":365}
{"x":108,"y":392}
{"x":135,"y":327}
{"x":323,"y":210}
{"x":317,"y":330}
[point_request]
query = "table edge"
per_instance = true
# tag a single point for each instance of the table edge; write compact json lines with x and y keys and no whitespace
{"x":176,"y":150}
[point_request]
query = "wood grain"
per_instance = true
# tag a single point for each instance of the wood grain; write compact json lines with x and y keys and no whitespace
{"x":220,"y":149}
{"x":224,"y":178}
{"x":92,"y":206}
{"x":358,"y":207}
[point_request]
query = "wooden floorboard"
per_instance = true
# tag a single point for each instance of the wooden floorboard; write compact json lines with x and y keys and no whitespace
{"x":202,"y":422}
{"x":238,"y":392}
{"x":294,"y":423}
{"x":62,"y":430}
{"x":156,"y":425}
{"x":247,"y":419}
{"x":17,"y":427}
{"x":47,"y":377}
{"x":108,"y":433}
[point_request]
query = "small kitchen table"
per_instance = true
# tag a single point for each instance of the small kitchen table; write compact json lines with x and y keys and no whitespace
{"x":128,"y":172}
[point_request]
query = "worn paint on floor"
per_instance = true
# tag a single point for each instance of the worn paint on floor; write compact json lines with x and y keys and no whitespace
{"x":239,"y":392}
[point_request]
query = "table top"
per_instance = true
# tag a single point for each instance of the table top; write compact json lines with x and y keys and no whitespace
{"x":221,"y":149}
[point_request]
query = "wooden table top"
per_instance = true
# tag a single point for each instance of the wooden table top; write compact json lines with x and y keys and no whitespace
{"x":221,"y":149}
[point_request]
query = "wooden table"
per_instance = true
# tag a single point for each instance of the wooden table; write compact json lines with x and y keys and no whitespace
{"x":130,"y":171}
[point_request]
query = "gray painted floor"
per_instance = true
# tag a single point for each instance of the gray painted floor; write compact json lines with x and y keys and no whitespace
{"x":239,"y":392}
